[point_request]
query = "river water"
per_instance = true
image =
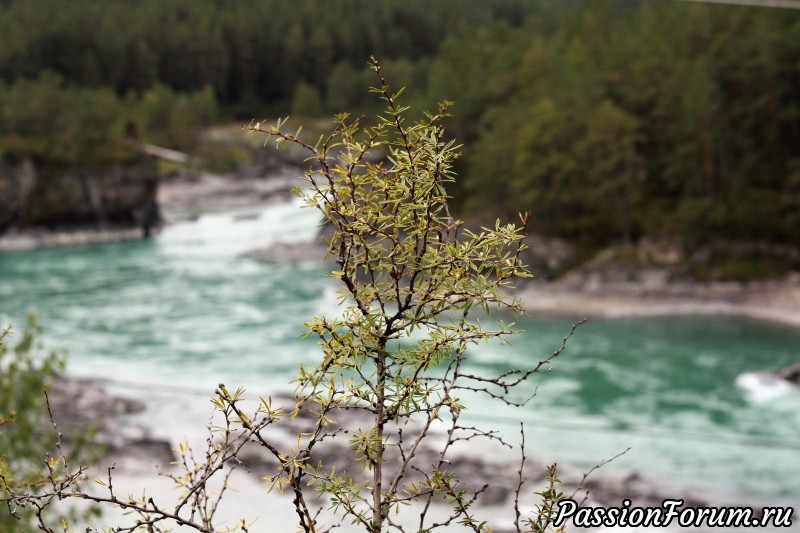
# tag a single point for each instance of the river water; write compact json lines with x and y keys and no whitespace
{"x":185,"y":311}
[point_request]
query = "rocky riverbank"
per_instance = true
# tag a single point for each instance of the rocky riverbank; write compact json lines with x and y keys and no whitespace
{"x":774,"y":300}
{"x":39,"y":200}
{"x":42,"y":205}
{"x":179,"y":198}
{"x":196,"y":193}
{"x":480,"y":466}
{"x":610,"y":292}
{"x":84,"y":407}
{"x":749,"y":279}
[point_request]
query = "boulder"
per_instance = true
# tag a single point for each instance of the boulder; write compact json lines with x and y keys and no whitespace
{"x":791,"y":374}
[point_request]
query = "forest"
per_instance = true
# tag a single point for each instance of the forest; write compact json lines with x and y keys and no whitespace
{"x":610,"y":120}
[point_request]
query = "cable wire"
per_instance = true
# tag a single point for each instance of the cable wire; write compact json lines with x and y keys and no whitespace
{"x":781,"y":4}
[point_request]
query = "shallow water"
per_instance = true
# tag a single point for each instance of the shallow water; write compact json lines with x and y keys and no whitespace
{"x":180,"y":313}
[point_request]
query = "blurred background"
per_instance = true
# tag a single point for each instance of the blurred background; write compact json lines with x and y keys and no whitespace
{"x":613,"y":120}
{"x":656,"y":142}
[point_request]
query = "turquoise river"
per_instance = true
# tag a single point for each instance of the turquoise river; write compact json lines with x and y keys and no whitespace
{"x":185,"y":311}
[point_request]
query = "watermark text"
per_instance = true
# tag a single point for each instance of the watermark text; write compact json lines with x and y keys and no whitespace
{"x":671,"y":512}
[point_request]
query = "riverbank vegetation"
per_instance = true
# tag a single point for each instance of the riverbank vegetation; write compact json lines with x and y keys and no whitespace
{"x":23,"y":377}
{"x":27,"y":371}
{"x":612,"y":121}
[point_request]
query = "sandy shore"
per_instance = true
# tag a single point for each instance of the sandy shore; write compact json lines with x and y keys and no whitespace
{"x":775,"y":301}
{"x":18,"y":241}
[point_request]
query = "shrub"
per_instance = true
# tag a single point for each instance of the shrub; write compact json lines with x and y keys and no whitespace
{"x":414,"y":283}
{"x":25,"y":372}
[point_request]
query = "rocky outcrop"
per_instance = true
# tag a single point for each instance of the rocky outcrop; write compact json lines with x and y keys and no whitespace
{"x":295,"y":252}
{"x":17,"y":181}
{"x":38,"y":196}
{"x":284,"y":252}
{"x":209,"y":192}
{"x":83,"y":407}
{"x":791,"y":374}
{"x":478,"y":465}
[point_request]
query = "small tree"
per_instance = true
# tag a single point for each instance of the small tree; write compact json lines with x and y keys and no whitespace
{"x":405,"y":263}
{"x":26,"y":371}
{"x":413,"y":278}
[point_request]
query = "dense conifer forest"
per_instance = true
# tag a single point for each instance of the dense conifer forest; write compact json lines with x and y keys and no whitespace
{"x":610,"y":120}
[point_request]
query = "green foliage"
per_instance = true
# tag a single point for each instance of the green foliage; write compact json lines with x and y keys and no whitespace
{"x":548,"y":509}
{"x":730,"y":265}
{"x":649,"y":113}
{"x":344,"y":87}
{"x":680,"y":119}
{"x":31,"y":453}
{"x":244,"y":51}
{"x":171,"y":119}
{"x":24,"y":373}
{"x":223,"y":158}
{"x":46,"y":120}
{"x":50,"y":121}
{"x":412,"y":278}
{"x":306,"y":101}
